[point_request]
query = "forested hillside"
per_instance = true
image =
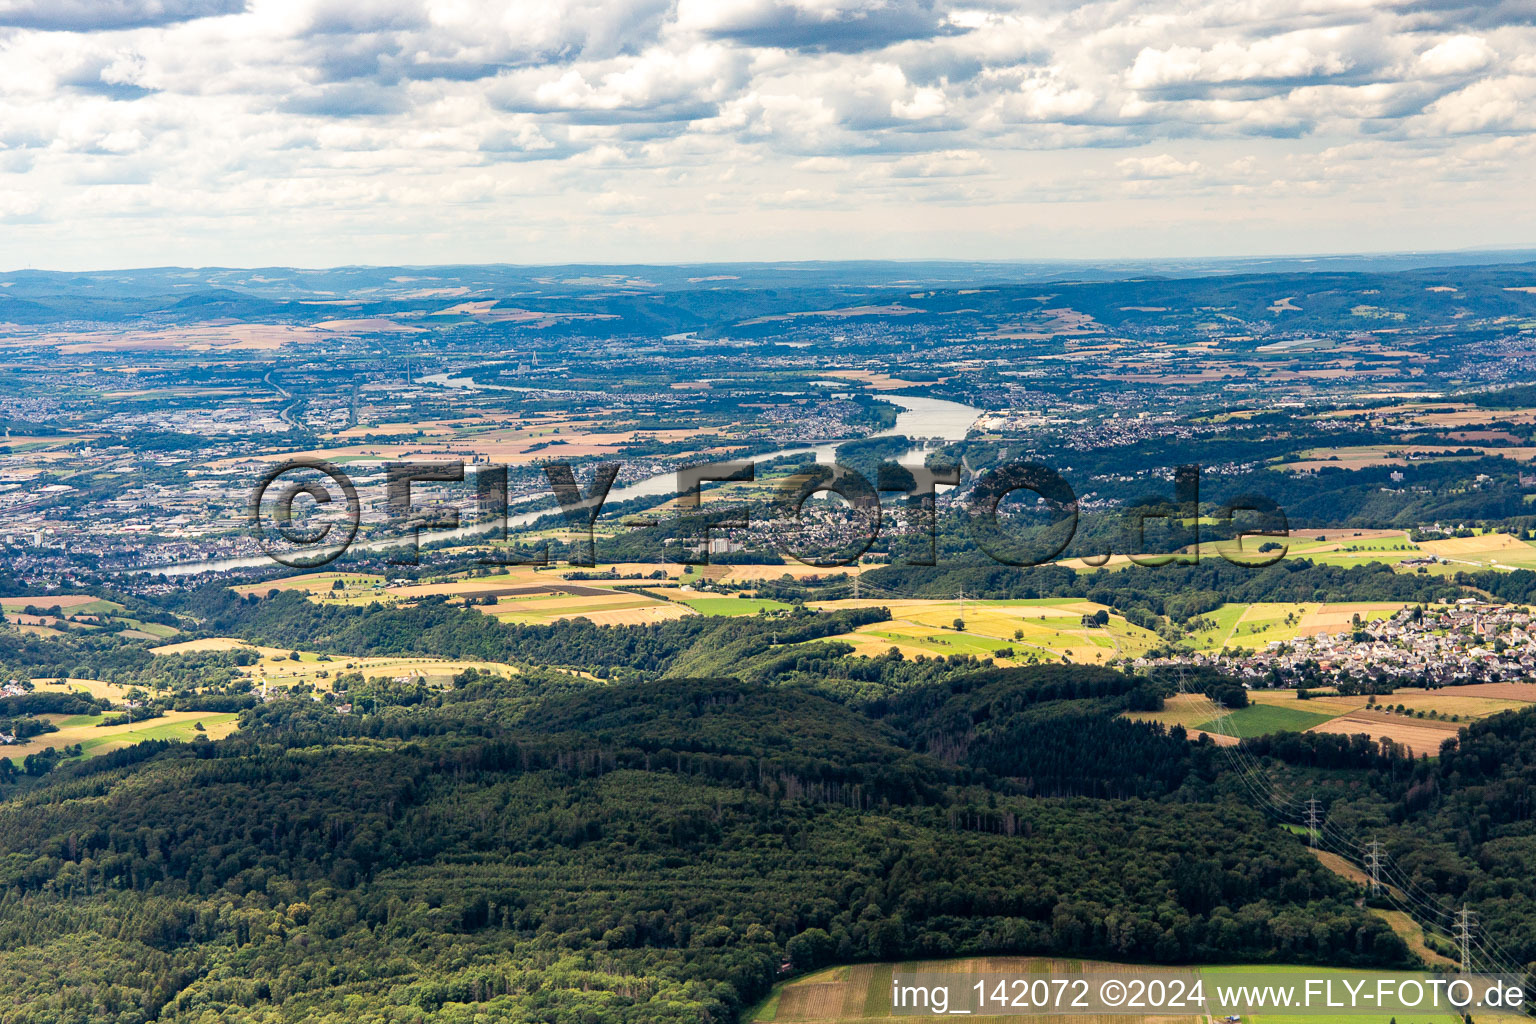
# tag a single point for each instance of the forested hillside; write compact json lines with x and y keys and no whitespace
{"x":549,"y":848}
{"x":657,"y":822}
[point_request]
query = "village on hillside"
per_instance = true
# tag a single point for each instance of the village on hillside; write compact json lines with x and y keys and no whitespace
{"x":1470,"y":641}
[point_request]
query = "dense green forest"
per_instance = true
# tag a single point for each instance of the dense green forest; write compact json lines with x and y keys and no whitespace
{"x":651,"y":847}
{"x":711,"y":802}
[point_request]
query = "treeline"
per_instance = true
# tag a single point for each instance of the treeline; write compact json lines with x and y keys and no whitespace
{"x":49,"y":703}
{"x":96,"y":655}
{"x":434,"y":627}
{"x":1181,"y":590}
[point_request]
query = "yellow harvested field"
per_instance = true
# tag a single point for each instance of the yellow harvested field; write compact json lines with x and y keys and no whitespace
{"x":510,"y":447}
{"x":1481,"y":544}
{"x":1522,"y":692}
{"x":95,"y":687}
{"x":868,"y":646}
{"x":277,"y":667}
{"x":1395,"y":455}
{"x":1112,"y":562}
{"x":1498,"y":549}
{"x":635,"y":616}
{"x":211,"y":643}
{"x":13,"y":441}
{"x":1188,"y":710}
{"x":282,"y":671}
{"x":560,"y":601}
{"x":66,"y":602}
{"x":625,"y":569}
{"x":204,"y":337}
{"x":431,"y":428}
{"x":1338,"y":618}
{"x":101,"y":739}
{"x":919,"y":609}
{"x":1335,"y":538}
{"x":1447,"y":702}
{"x":1468,"y":416}
{"x":741,"y":573}
{"x":312,"y":583}
{"x":813,"y":1002}
{"x":1034,"y":630}
{"x":1420,"y":735}
{"x":461,"y":588}
{"x":602,"y":606}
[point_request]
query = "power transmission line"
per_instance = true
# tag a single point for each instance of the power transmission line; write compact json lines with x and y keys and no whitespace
{"x":1413,"y":900}
{"x":1465,"y":920}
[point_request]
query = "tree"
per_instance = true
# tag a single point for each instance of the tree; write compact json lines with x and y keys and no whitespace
{"x":811,"y":948}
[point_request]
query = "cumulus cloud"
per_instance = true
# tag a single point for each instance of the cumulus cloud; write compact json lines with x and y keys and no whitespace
{"x":99,"y":15}
{"x":365,"y":120}
{"x":1456,"y":56}
{"x":818,"y":25}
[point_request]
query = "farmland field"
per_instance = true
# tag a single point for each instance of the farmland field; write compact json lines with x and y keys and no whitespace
{"x":77,"y":612}
{"x":1486,"y":550}
{"x":1347,"y":547}
{"x":278,"y":666}
{"x":1036,"y":630}
{"x":734,"y":605}
{"x":95,"y":687}
{"x":1445,"y":703}
{"x":1281,"y":711}
{"x":862,"y":992}
{"x":602,"y":606}
{"x":1521,"y":692}
{"x":1421,"y":736}
{"x":1262,"y":719}
{"x":311,"y":583}
{"x":210,"y":643}
{"x":1252,"y":626}
{"x":94,"y":739}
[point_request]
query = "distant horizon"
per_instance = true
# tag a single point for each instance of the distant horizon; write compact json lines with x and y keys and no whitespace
{"x":1504,"y":254}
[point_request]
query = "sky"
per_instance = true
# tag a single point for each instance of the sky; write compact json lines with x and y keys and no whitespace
{"x":325,"y":132}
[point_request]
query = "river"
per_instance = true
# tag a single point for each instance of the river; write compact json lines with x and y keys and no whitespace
{"x":929,"y":419}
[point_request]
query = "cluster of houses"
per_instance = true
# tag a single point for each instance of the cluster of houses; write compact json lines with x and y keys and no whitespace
{"x":1471,"y":641}
{"x":12,"y":688}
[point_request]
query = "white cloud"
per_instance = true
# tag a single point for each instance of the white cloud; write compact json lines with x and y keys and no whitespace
{"x":1489,"y":104}
{"x":1295,"y":56}
{"x":1456,"y":56}
{"x":311,"y":127}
